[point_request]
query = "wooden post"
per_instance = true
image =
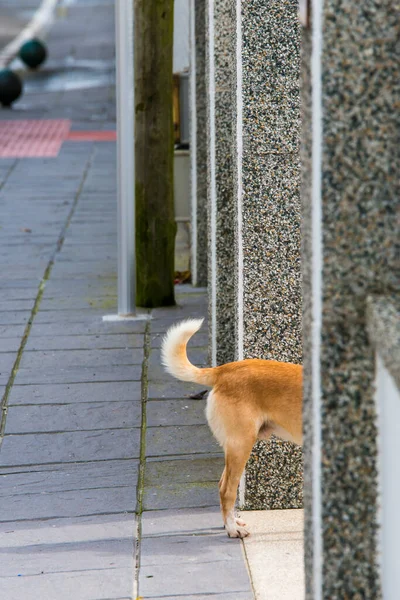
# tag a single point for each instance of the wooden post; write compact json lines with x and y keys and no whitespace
{"x":155,"y":221}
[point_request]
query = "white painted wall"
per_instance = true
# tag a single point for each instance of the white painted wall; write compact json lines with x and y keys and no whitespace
{"x":181,"y":35}
{"x":388,"y":408}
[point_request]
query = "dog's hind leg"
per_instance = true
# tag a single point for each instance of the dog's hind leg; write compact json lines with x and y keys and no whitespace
{"x":236,"y":456}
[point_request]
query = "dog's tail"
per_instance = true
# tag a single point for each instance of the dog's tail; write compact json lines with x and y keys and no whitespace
{"x":174,"y":357}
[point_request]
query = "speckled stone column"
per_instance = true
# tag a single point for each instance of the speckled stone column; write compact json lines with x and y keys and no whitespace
{"x":268,"y":286}
{"x":199,"y":143}
{"x":350,"y":235}
{"x":221,"y":28}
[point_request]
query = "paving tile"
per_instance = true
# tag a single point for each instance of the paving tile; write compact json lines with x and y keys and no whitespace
{"x":164,"y":441}
{"x":7,"y":361}
{"x":64,"y":316}
{"x":83,"y":342}
{"x":107,"y":584}
{"x":77,"y":358}
{"x":175,"y":412}
{"x":69,"y":504}
{"x":76,"y":446}
{"x":78,"y":374}
{"x":66,"y":530}
{"x":10,"y":344}
{"x":194,"y":578}
{"x":11,"y":305}
{"x":199,"y":521}
{"x":189,"y":470}
{"x":76,"y":392}
{"x":11,"y":331}
{"x":180,"y":495}
{"x":189,"y":549}
{"x":65,"y":477}
{"x":173,"y":389}
{"x":66,"y":557}
{"x":18,"y":317}
{"x":96,"y":327}
{"x":218,"y":596}
{"x":72,"y":417}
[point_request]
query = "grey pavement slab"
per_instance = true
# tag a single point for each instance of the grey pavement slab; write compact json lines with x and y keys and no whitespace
{"x":218,"y":596}
{"x":81,"y":290}
{"x":75,"y":446}
{"x":14,"y":317}
{"x":189,"y":548}
{"x":10,"y":344}
{"x":163,"y":441}
{"x":78,"y":374}
{"x":27,"y":294}
{"x":107,"y":584}
{"x":195,"y":521}
{"x":83,"y":342}
{"x":116,"y":391}
{"x":180,"y":495}
{"x":7,"y":361}
{"x":189,"y":470}
{"x":194,"y":578}
{"x":87,"y":270}
{"x":47,"y":418}
{"x":65,"y":530}
{"x":65,"y":316}
{"x":75,"y":358}
{"x":67,"y":557}
{"x":11,"y":305}
{"x":175,"y":412}
{"x":67,"y":477}
{"x":11,"y":331}
{"x":78,"y":303}
{"x":51,"y":505}
{"x":173,"y":389}
{"x":94,"y":327}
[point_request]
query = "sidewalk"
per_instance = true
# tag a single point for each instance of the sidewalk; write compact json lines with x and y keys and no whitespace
{"x":108,"y":470}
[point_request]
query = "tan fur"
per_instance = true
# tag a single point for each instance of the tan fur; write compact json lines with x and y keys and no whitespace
{"x":250,"y":400}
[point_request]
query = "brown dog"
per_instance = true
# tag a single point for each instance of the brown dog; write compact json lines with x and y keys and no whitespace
{"x":249,"y":400}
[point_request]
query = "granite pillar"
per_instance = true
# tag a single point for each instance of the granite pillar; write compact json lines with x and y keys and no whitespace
{"x":198,"y":141}
{"x":350,"y":230}
{"x":221,"y":207}
{"x":267,"y":240}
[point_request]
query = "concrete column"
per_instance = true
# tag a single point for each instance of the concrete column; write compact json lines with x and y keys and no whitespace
{"x":268,"y":279}
{"x":222,"y":260}
{"x":198,"y":141}
{"x":350,"y":233}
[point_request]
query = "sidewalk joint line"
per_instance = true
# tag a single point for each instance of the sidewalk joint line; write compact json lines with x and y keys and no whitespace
{"x":38,"y":299}
{"x":142,"y":461}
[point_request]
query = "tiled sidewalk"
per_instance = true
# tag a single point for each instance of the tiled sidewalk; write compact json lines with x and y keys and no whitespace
{"x":106,"y":463}
{"x":108,"y":473}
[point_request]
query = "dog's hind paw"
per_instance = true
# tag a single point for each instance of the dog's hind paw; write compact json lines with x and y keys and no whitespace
{"x":237,"y":529}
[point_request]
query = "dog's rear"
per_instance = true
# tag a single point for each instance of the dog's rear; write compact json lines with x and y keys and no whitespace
{"x":250,"y":400}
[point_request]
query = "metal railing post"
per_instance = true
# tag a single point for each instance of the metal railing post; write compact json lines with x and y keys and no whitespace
{"x":124,"y":16}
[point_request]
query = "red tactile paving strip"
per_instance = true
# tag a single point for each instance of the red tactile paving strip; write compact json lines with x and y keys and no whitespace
{"x":32,"y":138}
{"x":92,"y":136}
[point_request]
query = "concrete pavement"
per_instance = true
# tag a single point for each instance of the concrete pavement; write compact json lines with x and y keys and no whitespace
{"x":108,"y":476}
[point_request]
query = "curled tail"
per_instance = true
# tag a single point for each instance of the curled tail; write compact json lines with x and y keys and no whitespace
{"x":174,"y":357}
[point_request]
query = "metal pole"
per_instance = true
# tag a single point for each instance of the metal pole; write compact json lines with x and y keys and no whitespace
{"x":124,"y":15}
